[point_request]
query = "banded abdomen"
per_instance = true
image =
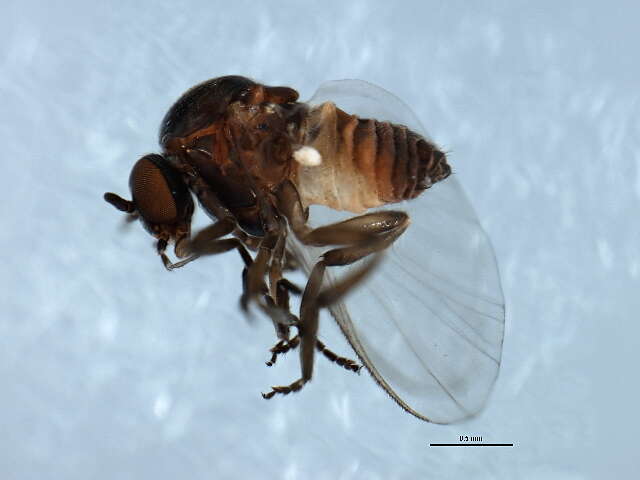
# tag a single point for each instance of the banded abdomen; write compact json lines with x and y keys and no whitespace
{"x":365,"y":163}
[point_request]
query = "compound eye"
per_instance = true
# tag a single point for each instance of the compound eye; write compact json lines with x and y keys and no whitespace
{"x":150,"y":184}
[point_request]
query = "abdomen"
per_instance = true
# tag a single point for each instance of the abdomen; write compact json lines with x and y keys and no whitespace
{"x":365,"y":163}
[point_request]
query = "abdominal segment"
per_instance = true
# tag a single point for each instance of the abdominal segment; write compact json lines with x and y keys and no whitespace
{"x":364,"y":163}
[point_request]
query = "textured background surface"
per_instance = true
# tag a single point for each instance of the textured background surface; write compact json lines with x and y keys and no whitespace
{"x":112,"y":368}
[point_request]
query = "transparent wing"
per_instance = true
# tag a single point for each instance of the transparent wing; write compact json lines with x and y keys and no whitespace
{"x":367,"y":101}
{"x":429,"y":323}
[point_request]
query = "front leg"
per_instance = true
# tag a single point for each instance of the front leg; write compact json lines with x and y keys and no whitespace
{"x":206,"y":242}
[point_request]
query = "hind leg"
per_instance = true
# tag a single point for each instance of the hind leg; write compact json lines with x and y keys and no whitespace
{"x":363,"y":236}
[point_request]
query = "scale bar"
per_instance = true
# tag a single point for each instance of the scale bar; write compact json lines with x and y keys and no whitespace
{"x":471,"y":444}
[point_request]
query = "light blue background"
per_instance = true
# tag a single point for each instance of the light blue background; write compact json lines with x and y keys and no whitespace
{"x":111,"y":367}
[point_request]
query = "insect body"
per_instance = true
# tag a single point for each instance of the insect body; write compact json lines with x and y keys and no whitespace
{"x":257,"y":160}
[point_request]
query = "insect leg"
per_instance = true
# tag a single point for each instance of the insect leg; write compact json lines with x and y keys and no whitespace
{"x":276,"y":267}
{"x":283,"y":346}
{"x":364,"y":235}
{"x":279,"y":289}
{"x":308,"y":329}
{"x":282,"y":302}
{"x":283,"y":287}
{"x":342,"y":361}
{"x":206,"y":242}
{"x":275,"y":231}
{"x":312,"y":300}
{"x":278,"y":311}
{"x":254,"y":283}
{"x":274,"y":301}
{"x":291,"y":263}
{"x":290,"y":286}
